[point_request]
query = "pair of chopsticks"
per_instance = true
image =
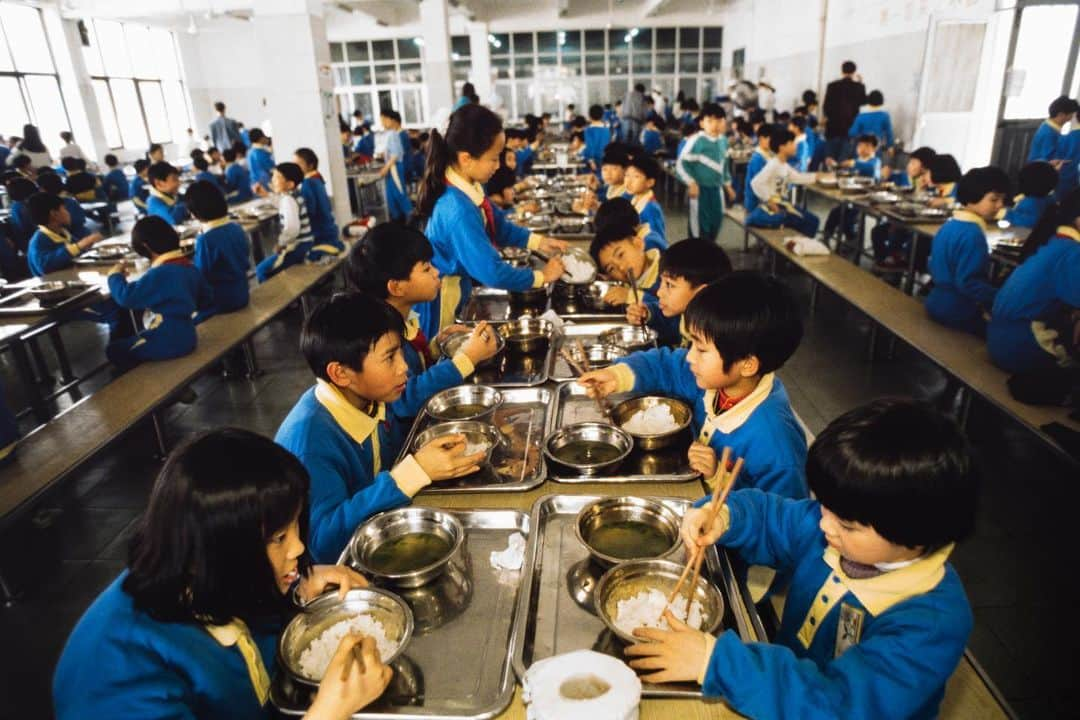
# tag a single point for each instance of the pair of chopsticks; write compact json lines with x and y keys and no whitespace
{"x":722,"y":479}
{"x":358,"y":655}
{"x":633,"y":285}
{"x":605,"y":411}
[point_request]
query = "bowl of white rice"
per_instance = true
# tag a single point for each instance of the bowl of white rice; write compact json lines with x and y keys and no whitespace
{"x":312,"y":637}
{"x":653,"y":421}
{"x":580,"y":268}
{"x":479,"y":436}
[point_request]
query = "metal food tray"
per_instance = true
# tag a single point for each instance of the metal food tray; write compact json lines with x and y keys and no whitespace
{"x":551,"y":622}
{"x":513,"y":369}
{"x":669,"y":465}
{"x":586,"y":332}
{"x":22,"y":302}
{"x":516,"y":402}
{"x":457,"y":665}
{"x":493,"y":305}
{"x":585,"y":305}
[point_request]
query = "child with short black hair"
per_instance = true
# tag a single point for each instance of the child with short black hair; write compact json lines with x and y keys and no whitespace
{"x":237,"y":179}
{"x":770,"y":186}
{"x":155,"y":153}
{"x":296,"y":240}
{"x":320,"y":213}
{"x":260,"y":161}
{"x":163,"y":200}
{"x":53,"y":184}
{"x":222,"y":249}
{"x":139,"y":188}
{"x":398,"y":204}
{"x":500,"y":188}
{"x":743,"y":327}
{"x":52,"y":247}
{"x":962,"y":294}
{"x":876,"y":619}
{"x":82,"y":185}
{"x":202,"y":168}
{"x":1037,"y":182}
{"x":115,"y":184}
{"x":944,"y":173}
{"x":613,"y":166}
{"x":758,"y":159}
{"x":873,"y":119}
{"x":642,"y":174}
{"x":597,"y":136}
{"x":703,"y":165}
{"x":891,"y":244}
{"x":652,"y":137}
{"x":348,"y":428}
{"x":685,"y":268}
{"x":1044,"y":144}
{"x":866,"y":162}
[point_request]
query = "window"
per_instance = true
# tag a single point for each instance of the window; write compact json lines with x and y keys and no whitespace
{"x":136,"y":78}
{"x":371,"y":75}
{"x":1040,"y":59}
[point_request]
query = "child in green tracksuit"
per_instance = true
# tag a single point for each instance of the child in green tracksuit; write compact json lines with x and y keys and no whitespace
{"x":703,"y":166}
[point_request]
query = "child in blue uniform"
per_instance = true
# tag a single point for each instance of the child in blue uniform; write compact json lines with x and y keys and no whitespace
{"x":866,"y":163}
{"x":190,"y":628}
{"x":115,"y":184}
{"x":398,"y":204}
{"x":891,"y":243}
{"x":613,"y":166}
{"x":960,"y":257}
{"x":874,"y":120}
{"x":652,"y":137}
{"x":237,"y":178}
{"x":202,"y":171}
{"x":597,"y":137}
{"x":20,"y":221}
{"x":1037,"y":182}
{"x":83,"y":186}
{"x":755,"y":165}
{"x":1033,"y":325}
{"x":641,"y":177}
{"x":348,"y":428}
{"x":770,"y":186}
{"x":222,"y":250}
{"x":172,"y":289}
{"x":295,"y":244}
{"x":320,"y":213}
{"x":53,"y":184}
{"x":260,"y":161}
{"x":461,"y":223}
{"x":620,"y":211}
{"x":743,"y":327}
{"x":1044,"y":144}
{"x":163,"y":202}
{"x":685,"y":269}
{"x":876,"y":619}
{"x":139,"y":187}
{"x":52,"y":247}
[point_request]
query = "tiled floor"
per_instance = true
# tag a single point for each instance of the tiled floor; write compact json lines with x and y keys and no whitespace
{"x":1015,"y":569}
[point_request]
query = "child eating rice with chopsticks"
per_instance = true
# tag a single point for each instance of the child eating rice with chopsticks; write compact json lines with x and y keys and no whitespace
{"x":876,"y":619}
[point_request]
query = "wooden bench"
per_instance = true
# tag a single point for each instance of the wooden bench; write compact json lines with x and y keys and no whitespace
{"x":737,"y":215}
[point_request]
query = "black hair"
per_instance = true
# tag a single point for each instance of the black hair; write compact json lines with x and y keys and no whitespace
{"x":503,"y":178}
{"x":609,"y":235}
{"x":239,"y":148}
{"x":71,"y":164}
{"x":111,"y":160}
{"x":219,"y":106}
{"x":21,"y":188}
{"x":1062,"y":105}
{"x":229,"y":155}
{"x":639,"y":87}
{"x":648,"y":166}
{"x":809,"y":97}
{"x":391,"y":113}
{"x":977,"y":182}
{"x":153,"y":235}
{"x":41,"y":205}
{"x":205,"y":200}
{"x":196,"y":153}
{"x":925,"y":155}
{"x":154,"y":147}
{"x":308,"y":156}
{"x":200,"y":162}
{"x":199,"y":552}
{"x":616,"y":153}
{"x":1063,"y":212}
{"x":161,"y":171}
{"x":875,"y":97}
{"x":697,"y":261}
{"x":1038,"y":179}
{"x":869,"y":139}
{"x":389,"y":251}
{"x":472,"y":129}
{"x":757,"y":116}
{"x":579,"y":122}
{"x":22,"y":162}
{"x":944,"y":169}
{"x":711,"y":109}
{"x":616,"y":211}
{"x":658,"y":122}
{"x":468,"y":89}
{"x":596,"y":112}
{"x":31,"y":139}
{"x":212,"y":150}
{"x":798,"y":121}
{"x":291,"y":172}
{"x":50,"y":183}
{"x":778,"y":137}
{"x":847,"y":67}
{"x":900,"y":467}
{"x":344,"y":329}
{"x":47,"y":170}
{"x":255,"y":135}
{"x":140,"y":165}
{"x":745,"y":314}
{"x":688,"y":129}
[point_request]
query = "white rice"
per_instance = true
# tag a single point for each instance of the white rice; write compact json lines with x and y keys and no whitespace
{"x":316,"y":657}
{"x":651,"y":421}
{"x":472,"y":448}
{"x":646,"y":609}
{"x":577,"y":270}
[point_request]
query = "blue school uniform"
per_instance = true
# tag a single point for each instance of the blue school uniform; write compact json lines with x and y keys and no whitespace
{"x":667,"y":328}
{"x":651,"y":214}
{"x":1068,"y":149}
{"x":761,"y":428}
{"x":1044,"y":143}
{"x":171,"y":209}
{"x":115,"y":185}
{"x":873,"y":121}
{"x":610,"y":192}
{"x":290,"y":251}
{"x":880,"y":647}
{"x":1027,"y":210}
{"x":77,"y":228}
{"x":139,"y":190}
{"x":49,"y":251}
{"x":245,"y":137}
{"x":366,"y":145}
{"x":426,"y":375}
{"x":1021,"y":336}
{"x":173,"y":290}
{"x":959,"y":264}
{"x":398,"y":204}
{"x":21,"y":224}
{"x":755,"y":165}
{"x":207,"y":176}
{"x":407,"y":154}
{"x":868,"y":168}
{"x":652,"y":141}
{"x":260,"y":165}
{"x":597,"y":137}
{"x":5,"y":152}
{"x":801,"y":159}
{"x":321,"y":216}
{"x":119,"y":662}
{"x":222,"y":255}
{"x":237,"y":184}
{"x":525,"y":157}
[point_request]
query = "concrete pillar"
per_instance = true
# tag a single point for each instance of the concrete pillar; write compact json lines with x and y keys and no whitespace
{"x":78,"y":93}
{"x":438,"y":79}
{"x":480,"y":57}
{"x":295,"y":58}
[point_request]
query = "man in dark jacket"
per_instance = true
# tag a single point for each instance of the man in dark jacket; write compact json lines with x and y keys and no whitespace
{"x":843,"y":98}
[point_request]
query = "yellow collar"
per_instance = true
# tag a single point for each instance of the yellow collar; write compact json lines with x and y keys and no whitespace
{"x":1053,"y":124}
{"x":412,"y":325}
{"x":684,"y":332}
{"x":473,"y":191}
{"x":313,"y":173}
{"x":210,"y":225}
{"x":946,"y":189}
{"x":640,"y":201}
{"x":652,"y":269}
{"x":732,"y":419}
{"x":357,"y":424}
{"x":61,"y":238}
{"x":163,"y":197}
{"x":968,"y":216}
{"x":1069,"y":232}
{"x":615,"y":191}
{"x":871,"y":108}
{"x":237,"y":634}
{"x":878,"y":594}
{"x":166,"y":257}
{"x":1018,"y":198}
{"x":597,"y":123}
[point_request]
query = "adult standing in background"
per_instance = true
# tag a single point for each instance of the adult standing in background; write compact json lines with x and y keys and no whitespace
{"x":32,"y":146}
{"x":70,"y":148}
{"x":633,"y":114}
{"x":468,"y":95}
{"x":843,"y":98}
{"x":224,"y":131}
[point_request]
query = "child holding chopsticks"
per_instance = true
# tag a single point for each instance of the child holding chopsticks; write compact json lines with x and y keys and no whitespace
{"x":876,"y":619}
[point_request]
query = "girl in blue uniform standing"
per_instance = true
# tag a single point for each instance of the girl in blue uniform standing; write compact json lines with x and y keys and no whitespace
{"x":398,"y":204}
{"x":461,"y":224}
{"x":1036,"y":316}
{"x":190,"y":628}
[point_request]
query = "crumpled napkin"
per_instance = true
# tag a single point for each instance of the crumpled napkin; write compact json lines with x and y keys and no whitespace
{"x":512,"y":557}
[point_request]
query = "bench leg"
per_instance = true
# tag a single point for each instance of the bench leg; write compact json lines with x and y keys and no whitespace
{"x":159,"y":436}
{"x":745,"y":239}
{"x":66,"y":373}
{"x":964,"y":409}
{"x":890,"y":349}
{"x":45,"y":377}
{"x":251,"y":363}
{"x":30,"y":385}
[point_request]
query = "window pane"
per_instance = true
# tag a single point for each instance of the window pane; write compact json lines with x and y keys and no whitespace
{"x":665,"y":62}
{"x":548,"y":60}
{"x":176,"y":106}
{"x":163,"y":48}
{"x":710,"y":62}
{"x":26,"y":37}
{"x":363,"y":103}
{"x":382,"y":50}
{"x":359,"y":74}
{"x":385,"y":74}
{"x":570,"y":40}
{"x":713,"y":37}
{"x":504,"y":93}
{"x":108,"y":114}
{"x":412,"y":73}
{"x":386,"y":100}
{"x":546,"y":42}
{"x":91,"y":54}
{"x":128,"y":113}
{"x":141,"y":52}
{"x":617,"y":39}
{"x":1042,"y":52}
{"x":572,"y":63}
{"x":501,"y":66}
{"x":341,"y":76}
{"x":617,"y":90}
{"x":665,"y":38}
{"x":48,"y":108}
{"x":643,"y":40}
{"x":501,"y":46}
{"x":412,"y":109}
{"x":407,"y":49}
{"x":523,"y":66}
{"x":113,"y":50}
{"x":523,"y":43}
{"x":594,"y":64}
{"x":618,"y":63}
{"x":154,"y":105}
{"x":594,"y":40}
{"x":460,"y":45}
{"x":461,"y":69}
{"x":357,"y":51}
{"x":525,"y":101}
{"x":688,"y":86}
{"x":642,"y":63}
{"x":12,"y":111}
{"x":689,"y":38}
{"x":337,"y":52}
{"x":688,"y":62}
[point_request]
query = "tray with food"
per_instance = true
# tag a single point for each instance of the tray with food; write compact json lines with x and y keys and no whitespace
{"x":46,"y":297}
{"x":602,"y":342}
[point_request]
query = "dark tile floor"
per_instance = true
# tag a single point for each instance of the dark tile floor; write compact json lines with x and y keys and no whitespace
{"x":1015,"y":568}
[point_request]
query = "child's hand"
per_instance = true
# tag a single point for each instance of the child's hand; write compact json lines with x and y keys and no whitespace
{"x":599,"y":383}
{"x":637,"y":314}
{"x":363,"y":684}
{"x":695,"y":530}
{"x":617,"y":295}
{"x":730,"y":193}
{"x":552,"y":246}
{"x":702,"y":459}
{"x":692,"y":190}
{"x":444,"y":458}
{"x":676,"y":655}
{"x":120,"y":267}
{"x":481,"y":344}
{"x":553,"y":270}
{"x":315,"y":583}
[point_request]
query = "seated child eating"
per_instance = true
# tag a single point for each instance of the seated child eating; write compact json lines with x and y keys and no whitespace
{"x":685,"y":269}
{"x":52,"y":246}
{"x":237,"y":179}
{"x":891,"y":243}
{"x":348,"y":428}
{"x":317,"y":202}
{"x":642,"y":174}
{"x":621,"y":249}
{"x":296,"y":240}
{"x":866,"y":163}
{"x":876,"y":618}
{"x":164,"y":184}
{"x":1037,"y":182}
{"x":743,"y":328}
{"x":222,"y":249}
{"x":138,"y":188}
{"x":770,"y":187}
{"x":115,"y":184}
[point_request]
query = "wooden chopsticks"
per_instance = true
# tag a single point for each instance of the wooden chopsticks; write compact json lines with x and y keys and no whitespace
{"x":605,"y":411}
{"x":358,"y":654}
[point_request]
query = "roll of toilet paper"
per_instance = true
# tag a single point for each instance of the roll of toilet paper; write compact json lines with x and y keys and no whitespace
{"x":582,"y":685}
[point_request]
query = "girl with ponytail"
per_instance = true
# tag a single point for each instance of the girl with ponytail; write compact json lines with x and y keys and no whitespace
{"x":463,"y":227}
{"x":1035,"y":324}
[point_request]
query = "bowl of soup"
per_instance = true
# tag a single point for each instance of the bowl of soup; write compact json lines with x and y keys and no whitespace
{"x":407,"y":547}
{"x":464,"y":402}
{"x":588,"y":447}
{"x":618,"y":529}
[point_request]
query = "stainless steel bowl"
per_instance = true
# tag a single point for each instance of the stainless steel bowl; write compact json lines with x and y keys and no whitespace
{"x":608,"y":510}
{"x":446,"y":405}
{"x":630,"y":337}
{"x":475,"y":433}
{"x":625,"y":410}
{"x":394,"y":523}
{"x":627,"y":579}
{"x":450,"y":345}
{"x":597,"y":355}
{"x":584,"y":257}
{"x":527,"y":334}
{"x":591,"y":432}
{"x":328,"y":610}
{"x":533,"y":299}
{"x":884,"y":198}
{"x":516,"y":256}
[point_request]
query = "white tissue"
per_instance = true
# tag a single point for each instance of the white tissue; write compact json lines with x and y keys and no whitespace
{"x":556,"y":321}
{"x":806,"y":246}
{"x":543,"y":681}
{"x":512,"y":557}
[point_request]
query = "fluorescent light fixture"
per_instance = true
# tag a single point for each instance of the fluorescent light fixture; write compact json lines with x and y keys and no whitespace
{"x":418,"y":42}
{"x":627,"y":38}
{"x":562,"y":37}
{"x":634,"y":32}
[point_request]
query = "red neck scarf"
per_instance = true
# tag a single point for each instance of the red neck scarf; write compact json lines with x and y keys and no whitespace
{"x":724,"y":402}
{"x":488,"y":213}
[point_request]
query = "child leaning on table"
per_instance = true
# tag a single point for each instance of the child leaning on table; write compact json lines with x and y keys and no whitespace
{"x":876,"y":619}
{"x":743,"y":327}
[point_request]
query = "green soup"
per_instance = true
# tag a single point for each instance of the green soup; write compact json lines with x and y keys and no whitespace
{"x":587,"y":452}
{"x":463,"y":412}
{"x":629,"y":540}
{"x":408,"y":552}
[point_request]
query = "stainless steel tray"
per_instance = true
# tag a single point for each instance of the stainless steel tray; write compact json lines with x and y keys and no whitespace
{"x":550,"y":621}
{"x":457,"y":665}
{"x":669,"y":465}
{"x":494,"y":305}
{"x":21,"y":302}
{"x":584,"y":303}
{"x":524,"y":419}
{"x":587,"y":332}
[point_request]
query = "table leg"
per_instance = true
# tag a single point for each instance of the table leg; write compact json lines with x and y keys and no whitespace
{"x":913,"y":252}
{"x":67,"y":375}
{"x":26,"y":370}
